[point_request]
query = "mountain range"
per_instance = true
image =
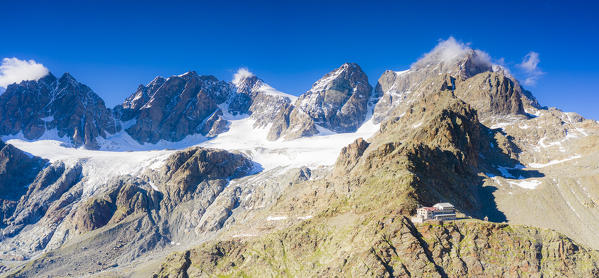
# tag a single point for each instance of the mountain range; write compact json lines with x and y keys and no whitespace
{"x":195,"y":176}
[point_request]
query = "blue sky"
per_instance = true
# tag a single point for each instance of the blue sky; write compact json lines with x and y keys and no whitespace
{"x":113,"y":46}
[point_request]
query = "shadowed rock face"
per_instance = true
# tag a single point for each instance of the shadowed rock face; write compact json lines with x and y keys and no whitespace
{"x":73,"y":109}
{"x":43,"y":201}
{"x":17,"y":171}
{"x":338,"y":101}
{"x":257,"y":99}
{"x":176,"y":107}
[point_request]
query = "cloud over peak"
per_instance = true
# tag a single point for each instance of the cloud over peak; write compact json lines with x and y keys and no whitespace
{"x":530,"y":66}
{"x":13,"y":70}
{"x":241,"y":74}
{"x":450,"y":50}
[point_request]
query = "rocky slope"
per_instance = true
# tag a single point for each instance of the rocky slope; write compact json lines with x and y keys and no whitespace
{"x":127,"y":217}
{"x":338,"y":102}
{"x":391,"y":247}
{"x":65,"y":105}
{"x":355,"y":220}
{"x":17,"y":171}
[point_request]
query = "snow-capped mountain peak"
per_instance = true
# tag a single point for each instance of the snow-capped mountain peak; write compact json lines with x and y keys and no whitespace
{"x":248,"y":83}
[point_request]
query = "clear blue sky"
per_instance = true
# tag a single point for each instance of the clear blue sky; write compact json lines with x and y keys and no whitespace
{"x":115,"y":45}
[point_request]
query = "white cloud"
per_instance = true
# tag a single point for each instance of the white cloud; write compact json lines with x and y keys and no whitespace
{"x":450,"y":50}
{"x":242,"y":73}
{"x":13,"y":70}
{"x":530,"y":61}
{"x":530,"y":66}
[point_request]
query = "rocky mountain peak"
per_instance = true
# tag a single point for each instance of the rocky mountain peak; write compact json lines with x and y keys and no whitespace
{"x":173,"y":108}
{"x":67,"y":77}
{"x":338,"y":102}
{"x":256,"y":98}
{"x":189,"y":74}
{"x":348,"y":72}
{"x":243,"y":77}
{"x":73,"y":109}
{"x":246,"y":82}
{"x":455,"y":66}
{"x":455,"y":58}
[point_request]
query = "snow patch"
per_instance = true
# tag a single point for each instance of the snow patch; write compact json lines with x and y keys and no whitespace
{"x":243,"y":235}
{"x":526,"y":184}
{"x":48,"y":119}
{"x":276,"y":218}
{"x":267,"y":89}
{"x":553,"y":162}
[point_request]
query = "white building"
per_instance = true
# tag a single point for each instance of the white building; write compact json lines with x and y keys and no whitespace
{"x":445,"y":208}
{"x":440,"y":211}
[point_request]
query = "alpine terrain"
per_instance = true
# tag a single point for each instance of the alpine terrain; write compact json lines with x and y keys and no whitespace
{"x":191,"y":176}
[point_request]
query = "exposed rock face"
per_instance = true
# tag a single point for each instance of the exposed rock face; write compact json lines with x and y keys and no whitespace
{"x":17,"y":171}
{"x":43,"y":202}
{"x":486,"y":87}
{"x":491,"y":93}
{"x":428,"y":155}
{"x":73,"y":109}
{"x":126,"y":197}
{"x":176,"y":107}
{"x":349,"y":155}
{"x":186,"y":172}
{"x":338,"y":101}
{"x":258,"y":99}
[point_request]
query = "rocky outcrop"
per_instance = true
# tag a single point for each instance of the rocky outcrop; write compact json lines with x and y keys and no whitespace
{"x":171,"y":109}
{"x":64,"y":105}
{"x":492,"y":94}
{"x":487,"y":87}
{"x":338,"y":102}
{"x":127,"y":197}
{"x":48,"y":186}
{"x":257,"y":99}
{"x":17,"y":172}
{"x":350,"y":155}
{"x":187,"y":173}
